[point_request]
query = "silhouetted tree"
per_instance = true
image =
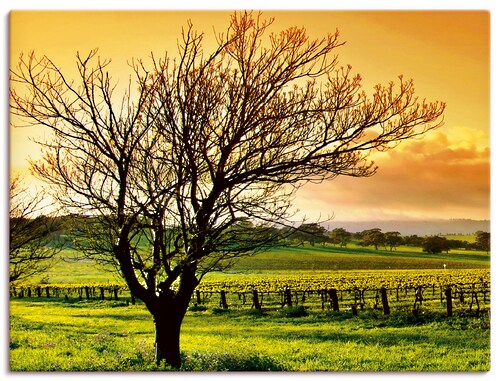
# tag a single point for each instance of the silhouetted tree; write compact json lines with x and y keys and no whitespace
{"x":201,"y":141}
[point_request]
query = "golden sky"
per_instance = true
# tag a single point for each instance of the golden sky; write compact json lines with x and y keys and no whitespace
{"x":447,"y":53}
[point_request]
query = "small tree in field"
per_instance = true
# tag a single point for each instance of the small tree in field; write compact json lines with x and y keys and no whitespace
{"x":435,"y":245}
{"x":483,"y":240}
{"x":32,"y":245}
{"x":393,"y":240}
{"x":206,"y":141}
{"x":373,"y":237}
{"x":310,"y":232}
{"x":340,"y":236}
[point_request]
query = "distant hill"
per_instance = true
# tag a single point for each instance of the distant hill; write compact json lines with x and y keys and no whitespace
{"x":418,"y":227}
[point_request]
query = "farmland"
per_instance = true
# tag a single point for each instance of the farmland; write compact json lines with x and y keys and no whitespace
{"x":299,"y":259}
{"x":72,"y":332}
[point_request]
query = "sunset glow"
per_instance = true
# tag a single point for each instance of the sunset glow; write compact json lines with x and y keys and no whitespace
{"x":445,"y":174}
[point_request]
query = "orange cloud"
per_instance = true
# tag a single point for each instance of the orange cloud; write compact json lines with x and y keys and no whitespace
{"x":436,"y":177}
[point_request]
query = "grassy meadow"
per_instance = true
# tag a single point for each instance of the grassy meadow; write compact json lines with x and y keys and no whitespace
{"x":92,"y":335}
{"x":296,"y":259}
{"x":109,"y":336}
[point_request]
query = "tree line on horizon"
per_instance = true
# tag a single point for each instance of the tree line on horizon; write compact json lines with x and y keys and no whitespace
{"x":315,"y":233}
{"x":35,"y":240}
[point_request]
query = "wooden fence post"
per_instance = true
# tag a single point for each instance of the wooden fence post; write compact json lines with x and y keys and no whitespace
{"x":474,"y":297}
{"x":87,"y":292}
{"x":223,"y":301}
{"x":255,"y":300}
{"x":288,"y":297}
{"x":334,"y":300}
{"x":385,"y":302}
{"x":449,"y":304}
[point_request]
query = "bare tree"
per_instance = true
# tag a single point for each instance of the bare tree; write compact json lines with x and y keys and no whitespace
{"x":202,"y":144}
{"x":33,"y":245}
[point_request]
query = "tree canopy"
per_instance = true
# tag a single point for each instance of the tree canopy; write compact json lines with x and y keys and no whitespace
{"x":483,"y":240}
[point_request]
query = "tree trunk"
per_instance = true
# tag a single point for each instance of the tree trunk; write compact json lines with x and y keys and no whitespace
{"x":167,"y":306}
{"x":167,"y":339}
{"x":168,"y":312}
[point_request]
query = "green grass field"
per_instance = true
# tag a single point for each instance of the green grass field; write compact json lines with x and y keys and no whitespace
{"x":283,"y":260}
{"x":357,"y":258}
{"x":59,"y":335}
{"x":107,"y":336}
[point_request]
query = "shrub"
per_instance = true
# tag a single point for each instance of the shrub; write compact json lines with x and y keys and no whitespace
{"x":256,"y":312}
{"x":219,"y":311}
{"x":198,"y":308}
{"x":295,"y":311}
{"x":209,"y":361}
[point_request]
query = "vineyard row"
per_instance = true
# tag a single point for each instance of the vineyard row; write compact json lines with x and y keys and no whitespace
{"x":468,"y":295}
{"x":356,"y":299}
